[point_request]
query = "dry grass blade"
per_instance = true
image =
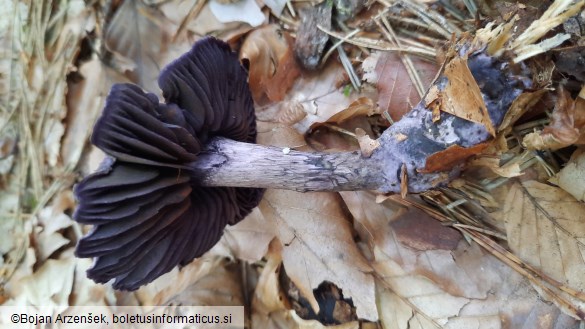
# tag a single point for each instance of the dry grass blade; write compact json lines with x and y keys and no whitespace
{"x":378,"y":44}
{"x":337,"y":43}
{"x":558,"y":12}
{"x":434,"y":20}
{"x":40,"y":44}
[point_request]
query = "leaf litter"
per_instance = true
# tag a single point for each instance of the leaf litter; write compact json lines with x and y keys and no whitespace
{"x":488,"y":251}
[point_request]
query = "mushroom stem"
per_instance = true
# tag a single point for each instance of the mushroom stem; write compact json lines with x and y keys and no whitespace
{"x":225,"y":162}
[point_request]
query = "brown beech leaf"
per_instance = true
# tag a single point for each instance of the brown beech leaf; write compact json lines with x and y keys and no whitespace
{"x":572,"y":177}
{"x":567,"y":125}
{"x":546,"y":228}
{"x":319,"y":246}
{"x":397,"y":93}
{"x":273,"y":69}
{"x":461,"y":96}
{"x":450,"y":157}
{"x":441,"y":278}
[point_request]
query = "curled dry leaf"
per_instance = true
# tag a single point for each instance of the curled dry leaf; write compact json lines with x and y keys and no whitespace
{"x":50,"y":285}
{"x":567,"y":125}
{"x":273,"y":69}
{"x":397,"y":93}
{"x":510,"y":169}
{"x":519,"y":107}
{"x":53,"y":220}
{"x":572,"y":177}
{"x":269,"y":305}
{"x":363,"y":106}
{"x":452,"y":156}
{"x":546,"y":229}
{"x":318,"y":247}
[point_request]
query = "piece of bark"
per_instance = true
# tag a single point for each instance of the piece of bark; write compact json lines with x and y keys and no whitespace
{"x":310,"y":41}
{"x":346,"y":9}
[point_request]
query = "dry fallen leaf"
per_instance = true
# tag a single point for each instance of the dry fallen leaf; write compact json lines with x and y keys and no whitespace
{"x":169,"y":285}
{"x":519,"y":107}
{"x":134,"y":34}
{"x":273,"y":69}
{"x":246,"y":11}
{"x":318,"y":246}
{"x":279,"y":135}
{"x":546,"y":229}
{"x":184,"y":16}
{"x":222,"y":286}
{"x":572,"y":177}
{"x":447,"y":159}
{"x":397,"y":93}
{"x":269,"y":309}
{"x":567,"y":125}
{"x":249,"y":239}
{"x":439,"y":276}
{"x":50,"y":285}
{"x":362,"y":106}
{"x":461,"y":95}
{"x":317,"y":94}
{"x":510,"y":169}
{"x":84,"y":103}
{"x":367,"y":144}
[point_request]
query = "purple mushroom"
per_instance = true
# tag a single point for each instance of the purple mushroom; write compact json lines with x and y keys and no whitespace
{"x":148,"y":214}
{"x":178,"y":172}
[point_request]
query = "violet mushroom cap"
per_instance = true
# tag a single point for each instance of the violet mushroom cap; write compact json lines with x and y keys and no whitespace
{"x":148,"y":214}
